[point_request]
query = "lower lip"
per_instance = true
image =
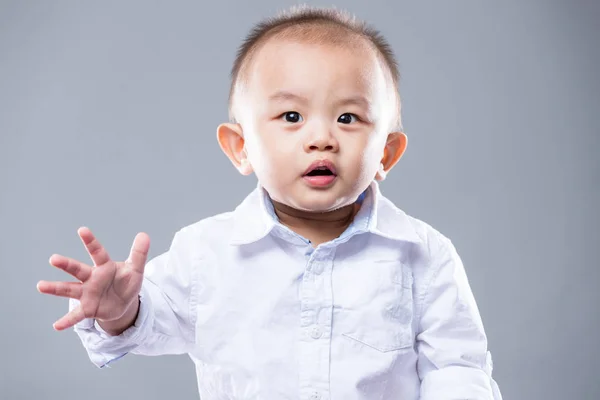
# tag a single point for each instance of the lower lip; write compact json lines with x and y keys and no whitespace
{"x":320,"y":180}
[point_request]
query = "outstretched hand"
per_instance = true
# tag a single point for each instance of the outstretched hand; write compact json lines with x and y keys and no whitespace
{"x":107,"y":290}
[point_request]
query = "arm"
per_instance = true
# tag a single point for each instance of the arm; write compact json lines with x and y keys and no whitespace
{"x":165,"y":320}
{"x":453,"y":360}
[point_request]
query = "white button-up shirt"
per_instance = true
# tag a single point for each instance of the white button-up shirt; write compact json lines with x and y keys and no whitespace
{"x":385,"y":311}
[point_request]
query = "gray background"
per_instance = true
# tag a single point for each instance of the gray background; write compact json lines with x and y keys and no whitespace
{"x":108,"y":113}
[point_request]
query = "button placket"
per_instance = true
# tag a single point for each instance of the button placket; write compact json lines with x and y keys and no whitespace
{"x":315,"y":295}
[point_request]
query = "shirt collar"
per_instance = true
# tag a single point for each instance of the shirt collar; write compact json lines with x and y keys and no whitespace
{"x":255,"y":218}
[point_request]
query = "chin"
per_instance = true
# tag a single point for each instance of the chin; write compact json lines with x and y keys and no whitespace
{"x":319,"y":202}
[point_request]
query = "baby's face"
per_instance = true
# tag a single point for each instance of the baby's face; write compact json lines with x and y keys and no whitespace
{"x":315,"y":122}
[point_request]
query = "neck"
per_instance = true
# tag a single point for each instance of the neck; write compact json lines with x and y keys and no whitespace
{"x":316,"y":227}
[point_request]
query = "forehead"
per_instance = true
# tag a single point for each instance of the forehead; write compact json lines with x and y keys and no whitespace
{"x":314,"y":67}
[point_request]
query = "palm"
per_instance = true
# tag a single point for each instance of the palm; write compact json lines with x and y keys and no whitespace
{"x":109,"y":291}
{"x":105,"y":291}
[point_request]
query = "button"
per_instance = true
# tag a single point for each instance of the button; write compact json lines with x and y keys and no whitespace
{"x":317,"y":268}
{"x":316,"y":332}
{"x":315,"y":396}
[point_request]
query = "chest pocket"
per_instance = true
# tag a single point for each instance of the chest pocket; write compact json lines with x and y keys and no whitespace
{"x":385,"y":324}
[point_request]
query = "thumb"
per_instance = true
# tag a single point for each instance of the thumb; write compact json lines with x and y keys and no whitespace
{"x":139,"y":252}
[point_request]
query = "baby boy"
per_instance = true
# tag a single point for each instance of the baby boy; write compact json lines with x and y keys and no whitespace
{"x":316,"y":286}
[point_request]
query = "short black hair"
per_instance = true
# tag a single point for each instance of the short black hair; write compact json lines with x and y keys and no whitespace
{"x":302,"y":21}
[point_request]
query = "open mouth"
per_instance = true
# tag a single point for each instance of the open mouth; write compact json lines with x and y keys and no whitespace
{"x":321,"y":174}
{"x":320,"y":171}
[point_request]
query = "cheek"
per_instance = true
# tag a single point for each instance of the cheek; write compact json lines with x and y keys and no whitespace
{"x":264,"y":153}
{"x":369,"y":148}
{"x":371,"y":153}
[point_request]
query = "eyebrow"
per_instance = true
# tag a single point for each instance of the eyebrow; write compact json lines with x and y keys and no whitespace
{"x":283,"y":95}
{"x":356,"y":100}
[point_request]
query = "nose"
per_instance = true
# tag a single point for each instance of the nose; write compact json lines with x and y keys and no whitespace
{"x":322,"y":140}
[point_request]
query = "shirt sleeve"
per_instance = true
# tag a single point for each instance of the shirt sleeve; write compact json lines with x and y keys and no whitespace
{"x":453,"y":360}
{"x":166,"y":319}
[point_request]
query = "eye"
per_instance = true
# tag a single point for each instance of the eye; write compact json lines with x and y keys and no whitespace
{"x":347,"y":118}
{"x":292,"y":117}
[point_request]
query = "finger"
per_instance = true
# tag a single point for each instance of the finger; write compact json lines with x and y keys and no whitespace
{"x":71,"y":290}
{"x":139,"y":252}
{"x":96,"y":251}
{"x":78,"y":269}
{"x":74,"y":316}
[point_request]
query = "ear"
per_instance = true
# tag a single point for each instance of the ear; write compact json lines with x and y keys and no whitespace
{"x":231,"y":139}
{"x":393,"y":151}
